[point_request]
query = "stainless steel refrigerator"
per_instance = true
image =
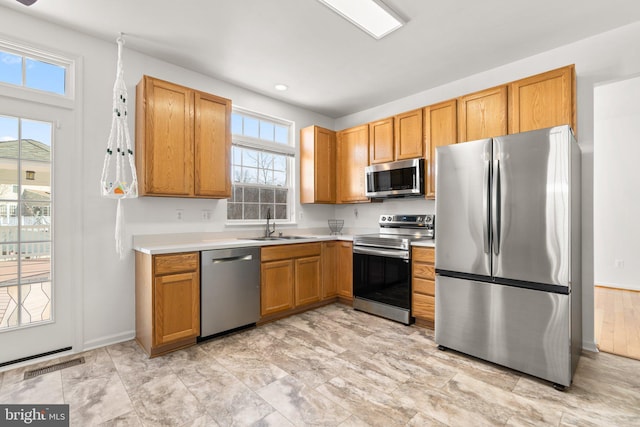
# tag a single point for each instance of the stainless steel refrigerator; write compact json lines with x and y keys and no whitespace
{"x":508,"y":251}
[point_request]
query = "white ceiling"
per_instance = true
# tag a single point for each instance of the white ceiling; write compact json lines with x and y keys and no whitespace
{"x":331,"y":66}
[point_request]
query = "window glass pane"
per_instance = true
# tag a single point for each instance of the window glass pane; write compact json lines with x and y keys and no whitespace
{"x":236,"y":152}
{"x":36,"y":302}
{"x":36,"y":180}
{"x":44,"y":76}
{"x":281,"y":196}
{"x":236,"y":124}
{"x":250,"y":158}
{"x":279,"y":163}
{"x":280,"y":179}
{"x":282,"y":134}
{"x":10,"y":68}
{"x":267,"y":209}
{"x":9,"y":137}
{"x":8,"y":307}
{"x":249,"y":175}
{"x":281,"y":211}
{"x":36,"y":224}
{"x":251,"y":126}
{"x":267,"y":195}
{"x":234,"y":210}
{"x":8,"y":179}
{"x":251,"y":211}
{"x":36,"y":140}
{"x":266,"y":131}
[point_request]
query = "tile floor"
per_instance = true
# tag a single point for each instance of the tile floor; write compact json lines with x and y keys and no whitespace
{"x":329,"y":366}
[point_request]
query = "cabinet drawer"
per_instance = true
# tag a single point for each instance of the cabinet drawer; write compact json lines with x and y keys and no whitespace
{"x":424,"y":306}
{"x":272,"y":253}
{"x":166,"y":264}
{"x":424,"y":286}
{"x":424,"y":255}
{"x":424,"y":271}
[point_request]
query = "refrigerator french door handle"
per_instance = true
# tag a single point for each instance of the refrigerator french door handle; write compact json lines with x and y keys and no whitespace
{"x":495,"y":209}
{"x":485,"y":207}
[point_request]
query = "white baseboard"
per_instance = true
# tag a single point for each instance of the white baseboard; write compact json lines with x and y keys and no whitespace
{"x":108,"y":340}
{"x":590,"y":346}
{"x":617,"y":286}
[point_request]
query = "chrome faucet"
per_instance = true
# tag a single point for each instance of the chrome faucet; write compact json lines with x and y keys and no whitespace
{"x":267,"y":231}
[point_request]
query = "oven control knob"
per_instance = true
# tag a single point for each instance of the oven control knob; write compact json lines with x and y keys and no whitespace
{"x":383,"y":218}
{"x":428,"y":219}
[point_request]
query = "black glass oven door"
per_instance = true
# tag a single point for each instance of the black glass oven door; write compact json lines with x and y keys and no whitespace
{"x":382,"y":279}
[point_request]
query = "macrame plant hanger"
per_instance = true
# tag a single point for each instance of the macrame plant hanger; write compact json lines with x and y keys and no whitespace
{"x":119,"y":179}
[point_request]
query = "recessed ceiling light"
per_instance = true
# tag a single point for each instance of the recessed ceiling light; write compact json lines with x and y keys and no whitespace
{"x":371,"y":16}
{"x":281,"y":87}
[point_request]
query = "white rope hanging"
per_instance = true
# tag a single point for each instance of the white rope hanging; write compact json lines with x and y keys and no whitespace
{"x":119,"y":179}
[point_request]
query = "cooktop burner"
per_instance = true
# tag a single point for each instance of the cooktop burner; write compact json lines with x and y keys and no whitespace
{"x":398,"y":231}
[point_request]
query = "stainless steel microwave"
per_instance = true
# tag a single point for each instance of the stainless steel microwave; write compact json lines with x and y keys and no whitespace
{"x":404,"y":178}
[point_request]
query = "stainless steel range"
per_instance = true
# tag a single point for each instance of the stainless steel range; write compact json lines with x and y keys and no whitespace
{"x":382,"y":265}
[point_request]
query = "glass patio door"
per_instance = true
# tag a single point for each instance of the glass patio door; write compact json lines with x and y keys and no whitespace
{"x":36,"y":229}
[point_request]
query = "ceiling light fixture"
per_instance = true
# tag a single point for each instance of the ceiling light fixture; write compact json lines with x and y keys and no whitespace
{"x":372,"y":16}
{"x":281,"y":87}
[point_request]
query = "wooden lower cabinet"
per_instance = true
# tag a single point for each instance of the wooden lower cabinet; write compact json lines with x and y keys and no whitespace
{"x":423,"y":298}
{"x":345,"y":271}
{"x":167,"y":301}
{"x":308,"y":280}
{"x":291,"y":277}
{"x":276,"y":292}
{"x":329,"y":269}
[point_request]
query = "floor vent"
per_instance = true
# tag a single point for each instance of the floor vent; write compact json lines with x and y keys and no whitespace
{"x":53,"y":368}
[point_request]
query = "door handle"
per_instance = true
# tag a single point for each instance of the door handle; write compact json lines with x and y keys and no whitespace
{"x":495,"y":211}
{"x":486,"y":213}
{"x":232,"y":259}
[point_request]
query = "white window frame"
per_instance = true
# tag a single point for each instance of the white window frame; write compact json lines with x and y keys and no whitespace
{"x":52,"y":57}
{"x":258,"y":144}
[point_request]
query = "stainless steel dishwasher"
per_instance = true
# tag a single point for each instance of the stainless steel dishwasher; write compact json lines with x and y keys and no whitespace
{"x":229,"y":290}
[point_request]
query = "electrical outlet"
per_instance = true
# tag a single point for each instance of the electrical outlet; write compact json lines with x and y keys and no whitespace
{"x":179,"y":214}
{"x":355,"y":212}
{"x":301,"y":214}
{"x":206,"y":215}
{"x":619,"y":263}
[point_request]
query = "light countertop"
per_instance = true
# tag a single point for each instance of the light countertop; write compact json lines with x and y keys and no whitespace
{"x":192,"y":242}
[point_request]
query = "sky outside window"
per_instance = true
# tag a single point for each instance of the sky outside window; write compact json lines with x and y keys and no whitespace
{"x":38,"y":74}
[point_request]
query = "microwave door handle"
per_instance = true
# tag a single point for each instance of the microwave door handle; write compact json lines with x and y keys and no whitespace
{"x":486,"y":213}
{"x":495,"y":211}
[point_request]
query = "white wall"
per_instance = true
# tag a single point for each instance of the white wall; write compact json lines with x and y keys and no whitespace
{"x":608,"y":56}
{"x":616,"y":177}
{"x":107,"y":284}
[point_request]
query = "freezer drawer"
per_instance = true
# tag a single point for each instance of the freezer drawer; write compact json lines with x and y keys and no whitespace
{"x":519,"y":328}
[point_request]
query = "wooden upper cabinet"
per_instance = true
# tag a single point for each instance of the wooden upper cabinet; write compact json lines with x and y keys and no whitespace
{"x":381,"y":147}
{"x":408,"y":135}
{"x":439,"y":130}
{"x":164,"y":138}
{"x":543,"y":100}
{"x":212,"y":145}
{"x":183,"y":140}
{"x":482,"y":114}
{"x":317,"y":165}
{"x":352,"y":158}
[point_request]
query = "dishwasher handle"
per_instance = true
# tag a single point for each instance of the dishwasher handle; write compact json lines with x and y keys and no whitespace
{"x":232,"y":259}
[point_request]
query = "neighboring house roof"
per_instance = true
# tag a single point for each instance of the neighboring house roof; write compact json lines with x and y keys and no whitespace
{"x":35,"y":195}
{"x":31,"y":150}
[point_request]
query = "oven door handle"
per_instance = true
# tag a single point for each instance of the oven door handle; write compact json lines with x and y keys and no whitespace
{"x":391,"y":253}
